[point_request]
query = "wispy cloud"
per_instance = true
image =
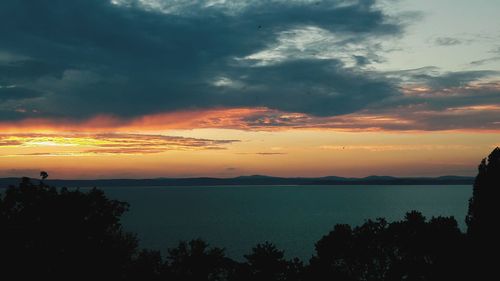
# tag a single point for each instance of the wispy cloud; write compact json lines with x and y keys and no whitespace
{"x":92,"y":144}
{"x":447,"y":41}
{"x":384,"y":148}
{"x":263,"y":153}
{"x":485,"y":61}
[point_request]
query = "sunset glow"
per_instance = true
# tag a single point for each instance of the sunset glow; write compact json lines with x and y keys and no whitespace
{"x":251,"y":93}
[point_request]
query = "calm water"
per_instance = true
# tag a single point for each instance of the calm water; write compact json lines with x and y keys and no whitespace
{"x":292,"y":217}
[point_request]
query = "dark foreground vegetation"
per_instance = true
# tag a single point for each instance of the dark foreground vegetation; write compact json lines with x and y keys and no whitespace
{"x":61,"y":234}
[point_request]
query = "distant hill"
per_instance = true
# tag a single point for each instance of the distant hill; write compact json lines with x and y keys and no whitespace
{"x":254,"y":180}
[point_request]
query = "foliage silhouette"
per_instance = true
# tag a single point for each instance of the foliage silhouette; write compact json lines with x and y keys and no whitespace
{"x":412,"y":249}
{"x":483,"y":202}
{"x":195,"y":260}
{"x":62,"y":234}
{"x":147,"y":265}
{"x":482,"y":216}
{"x":44,"y":175}
{"x":266,"y":262}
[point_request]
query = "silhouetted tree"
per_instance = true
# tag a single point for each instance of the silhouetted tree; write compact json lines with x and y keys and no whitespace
{"x":196,"y":261}
{"x":482,"y":218}
{"x":266,"y":263}
{"x":334,"y":253}
{"x":147,"y":265}
{"x":484,"y":199}
{"x":295,"y":270}
{"x":412,"y":249}
{"x":50,"y":233}
{"x":44,"y":175}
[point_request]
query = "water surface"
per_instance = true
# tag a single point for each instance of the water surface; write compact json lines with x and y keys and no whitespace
{"x":292,"y":217}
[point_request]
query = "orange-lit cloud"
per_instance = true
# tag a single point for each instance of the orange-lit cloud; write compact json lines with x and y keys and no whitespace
{"x":417,"y":118}
{"x":214,"y":118}
{"x":470,"y":106}
{"x":423,"y":109}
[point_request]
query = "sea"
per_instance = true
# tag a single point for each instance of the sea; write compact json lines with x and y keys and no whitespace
{"x":294,"y":218}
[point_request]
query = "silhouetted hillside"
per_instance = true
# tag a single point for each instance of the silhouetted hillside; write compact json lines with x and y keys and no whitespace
{"x":254,"y":180}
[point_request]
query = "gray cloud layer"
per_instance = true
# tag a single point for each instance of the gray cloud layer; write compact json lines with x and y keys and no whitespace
{"x":85,"y":57}
{"x":77,"y":59}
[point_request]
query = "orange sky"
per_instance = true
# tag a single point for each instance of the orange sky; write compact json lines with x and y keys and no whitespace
{"x":218,"y":143}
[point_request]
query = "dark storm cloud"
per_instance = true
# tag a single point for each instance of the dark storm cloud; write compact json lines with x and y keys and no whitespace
{"x":361,"y":60}
{"x":12,"y":101}
{"x":17,"y":93}
{"x":316,"y":87}
{"x":92,"y":57}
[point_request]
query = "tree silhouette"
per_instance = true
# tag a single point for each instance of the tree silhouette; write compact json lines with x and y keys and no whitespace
{"x":482,"y":216}
{"x":412,"y":249}
{"x":196,"y":261}
{"x":50,"y":233}
{"x":147,"y":265}
{"x":483,"y":203}
{"x":266,"y":263}
{"x":44,"y":175}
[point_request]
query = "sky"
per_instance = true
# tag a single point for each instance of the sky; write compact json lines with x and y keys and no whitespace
{"x":171,"y":88}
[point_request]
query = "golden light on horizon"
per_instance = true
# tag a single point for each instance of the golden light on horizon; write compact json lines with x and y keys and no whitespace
{"x":232,"y":152}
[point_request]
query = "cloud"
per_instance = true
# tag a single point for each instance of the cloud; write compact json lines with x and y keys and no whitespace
{"x":436,"y":79}
{"x":383,"y":148}
{"x":96,"y":65}
{"x":20,"y":173}
{"x":470,"y":107}
{"x":91,"y":144}
{"x":485,"y":61}
{"x":17,"y":93}
{"x":312,"y":42}
{"x":133,"y":58}
{"x":447,"y":41}
{"x":8,"y":58}
{"x":444,"y":90}
{"x":8,"y":142}
{"x":264,"y":153}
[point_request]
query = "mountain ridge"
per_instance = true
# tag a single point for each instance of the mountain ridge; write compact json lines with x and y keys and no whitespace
{"x":252,"y":180}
